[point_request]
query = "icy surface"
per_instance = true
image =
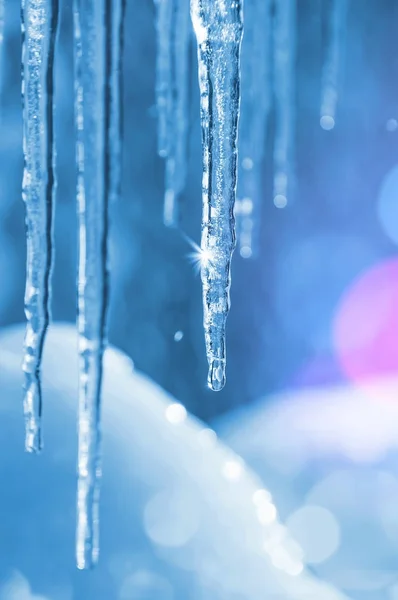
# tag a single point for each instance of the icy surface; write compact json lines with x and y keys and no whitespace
{"x":255,"y":106}
{"x":173,"y":29}
{"x":39,"y":26}
{"x":218,"y":27}
{"x":92,"y":23}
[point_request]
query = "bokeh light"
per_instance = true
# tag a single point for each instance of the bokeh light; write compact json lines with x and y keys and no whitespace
{"x":366,"y":324}
{"x":311,"y":275}
{"x":316,"y":530}
{"x":171,"y":517}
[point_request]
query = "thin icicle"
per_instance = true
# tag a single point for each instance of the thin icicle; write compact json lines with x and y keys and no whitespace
{"x":284,"y":92}
{"x":39,"y":27}
{"x":218,"y":25}
{"x":164,"y":24}
{"x":173,"y":38}
{"x":98,"y":29}
{"x":255,"y":107}
{"x":116,"y":99}
{"x":332,"y":66}
{"x":2,"y":22}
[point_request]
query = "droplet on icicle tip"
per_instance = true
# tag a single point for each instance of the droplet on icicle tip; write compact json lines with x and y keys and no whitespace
{"x":217,"y":378}
{"x":327,"y":122}
{"x":169,"y":208}
{"x":280,"y":201}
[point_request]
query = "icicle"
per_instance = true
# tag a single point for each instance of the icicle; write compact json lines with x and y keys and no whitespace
{"x":218,"y":25}
{"x":331,"y":70}
{"x":116,"y":99}
{"x":98,"y":43}
{"x":255,"y":107}
{"x":39,"y":27}
{"x":284,"y":92}
{"x":1,"y":42}
{"x":173,"y":37}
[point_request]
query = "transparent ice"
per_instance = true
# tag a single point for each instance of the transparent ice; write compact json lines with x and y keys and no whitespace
{"x":255,"y":107}
{"x":333,"y":62}
{"x":39,"y":20}
{"x":98,"y":42}
{"x":173,"y":30}
{"x":284,"y":68}
{"x":218,"y":26}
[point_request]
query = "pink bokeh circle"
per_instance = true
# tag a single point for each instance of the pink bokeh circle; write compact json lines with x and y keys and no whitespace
{"x":365,"y":328}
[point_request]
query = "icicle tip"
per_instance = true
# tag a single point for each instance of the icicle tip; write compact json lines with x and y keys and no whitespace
{"x":217,"y":378}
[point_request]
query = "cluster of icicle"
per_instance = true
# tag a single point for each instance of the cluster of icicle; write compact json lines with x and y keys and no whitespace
{"x":267,"y":74}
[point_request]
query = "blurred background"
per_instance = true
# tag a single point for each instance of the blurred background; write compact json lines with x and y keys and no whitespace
{"x":311,"y":395}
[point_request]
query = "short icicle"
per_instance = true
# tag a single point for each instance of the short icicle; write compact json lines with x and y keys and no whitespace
{"x":218,"y":25}
{"x":333,"y":62}
{"x":98,"y":44}
{"x":284,"y":49}
{"x":39,"y":29}
{"x":173,"y":31}
{"x":255,"y":107}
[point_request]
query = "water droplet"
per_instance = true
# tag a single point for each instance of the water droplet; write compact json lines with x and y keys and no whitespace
{"x":178,"y":336}
{"x":216,"y":379}
{"x":327,"y":122}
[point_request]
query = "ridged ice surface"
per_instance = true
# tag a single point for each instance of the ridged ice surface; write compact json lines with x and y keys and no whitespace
{"x":39,"y":26}
{"x":173,"y":29}
{"x":98,"y":43}
{"x":255,"y":107}
{"x":333,"y":62}
{"x":218,"y":26}
{"x":284,"y":68}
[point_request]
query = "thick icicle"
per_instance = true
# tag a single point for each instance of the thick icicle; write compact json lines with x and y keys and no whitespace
{"x":284,"y":93}
{"x":332,"y":66}
{"x":218,"y":25}
{"x":98,"y":43}
{"x":255,"y":106}
{"x":172,"y":86}
{"x":39,"y":27}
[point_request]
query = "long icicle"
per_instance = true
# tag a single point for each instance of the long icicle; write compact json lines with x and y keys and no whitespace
{"x":255,"y":108}
{"x":98,"y":44}
{"x":285,"y":100}
{"x":218,"y":25}
{"x":172,"y":85}
{"x":116,"y":97}
{"x":333,"y":62}
{"x":2,"y":24}
{"x":39,"y":28}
